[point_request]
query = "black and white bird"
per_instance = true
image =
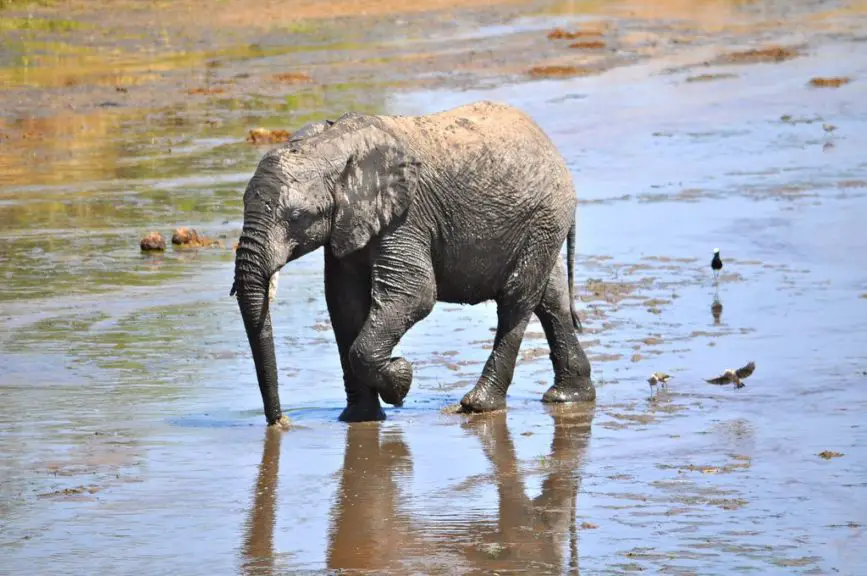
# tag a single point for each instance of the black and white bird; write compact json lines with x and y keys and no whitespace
{"x":716,"y":264}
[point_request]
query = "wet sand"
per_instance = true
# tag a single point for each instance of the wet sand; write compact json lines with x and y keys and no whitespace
{"x":132,"y":433}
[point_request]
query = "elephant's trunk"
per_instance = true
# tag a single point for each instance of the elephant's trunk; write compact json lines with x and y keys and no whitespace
{"x":252,"y":274}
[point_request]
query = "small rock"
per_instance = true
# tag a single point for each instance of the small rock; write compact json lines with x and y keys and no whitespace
{"x":153,"y":241}
{"x":589,"y":526}
{"x":185,"y":236}
{"x":190,"y":238}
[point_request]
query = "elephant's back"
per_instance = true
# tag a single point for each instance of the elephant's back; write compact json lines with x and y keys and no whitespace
{"x":490,"y":140}
{"x":493,"y":149}
{"x":474,"y":127}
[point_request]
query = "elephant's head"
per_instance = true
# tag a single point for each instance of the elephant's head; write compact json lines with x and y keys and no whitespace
{"x":337,"y":188}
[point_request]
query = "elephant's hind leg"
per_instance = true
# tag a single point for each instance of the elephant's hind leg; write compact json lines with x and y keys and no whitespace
{"x":347,"y":293}
{"x":520,"y":295}
{"x":489,"y":393}
{"x":571,"y":367}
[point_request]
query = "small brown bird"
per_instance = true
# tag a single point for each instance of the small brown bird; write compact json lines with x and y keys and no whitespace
{"x":734,"y":376}
{"x":658,"y":377}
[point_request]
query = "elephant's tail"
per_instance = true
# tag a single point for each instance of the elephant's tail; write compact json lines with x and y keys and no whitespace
{"x":570,"y":274}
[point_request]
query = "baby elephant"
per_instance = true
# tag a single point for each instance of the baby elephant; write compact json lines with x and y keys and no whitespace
{"x":466,"y":205}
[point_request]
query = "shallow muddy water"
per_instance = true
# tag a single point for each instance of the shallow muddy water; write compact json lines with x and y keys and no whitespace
{"x":131,"y":427}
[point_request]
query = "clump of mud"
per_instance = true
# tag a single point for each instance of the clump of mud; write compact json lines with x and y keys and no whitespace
{"x":205,"y":91}
{"x":828,"y":454}
{"x":710,"y":77}
{"x":77,"y":491}
{"x":835,"y":82}
{"x":265,"y":136}
{"x":759,"y":55}
{"x":557,"y":71}
{"x":153,"y":242}
{"x":561,"y":34}
{"x":189,"y":238}
{"x":292,"y":77}
{"x":588,"y":45}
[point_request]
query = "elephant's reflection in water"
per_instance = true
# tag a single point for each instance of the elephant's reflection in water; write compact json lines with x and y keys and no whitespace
{"x":369,"y":528}
{"x":529,"y":534}
{"x":372,"y":527}
{"x":258,"y":549}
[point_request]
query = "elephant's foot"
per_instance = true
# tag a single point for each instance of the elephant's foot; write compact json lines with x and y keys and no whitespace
{"x":359,"y":412}
{"x":362,"y":405}
{"x":483,"y":398}
{"x":395,"y":381}
{"x":575,"y":390}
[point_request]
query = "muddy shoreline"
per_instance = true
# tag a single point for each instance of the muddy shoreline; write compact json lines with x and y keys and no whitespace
{"x":209,"y":72}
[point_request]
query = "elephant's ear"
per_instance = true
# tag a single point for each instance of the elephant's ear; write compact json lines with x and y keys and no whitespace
{"x":376,"y":186}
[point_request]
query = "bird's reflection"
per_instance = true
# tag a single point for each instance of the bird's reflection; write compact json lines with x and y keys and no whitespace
{"x":258,"y":549}
{"x":716,"y":309}
{"x":373,"y":529}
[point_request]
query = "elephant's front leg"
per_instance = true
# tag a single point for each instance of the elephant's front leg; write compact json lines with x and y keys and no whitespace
{"x":403,"y":293}
{"x":347,"y":293}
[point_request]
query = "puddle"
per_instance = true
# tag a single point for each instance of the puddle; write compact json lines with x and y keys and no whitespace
{"x":131,"y":418}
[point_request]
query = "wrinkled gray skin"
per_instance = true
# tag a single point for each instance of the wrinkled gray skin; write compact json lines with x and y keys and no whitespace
{"x":464,"y":206}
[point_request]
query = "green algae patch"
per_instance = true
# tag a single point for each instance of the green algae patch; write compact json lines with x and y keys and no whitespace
{"x":29,"y":24}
